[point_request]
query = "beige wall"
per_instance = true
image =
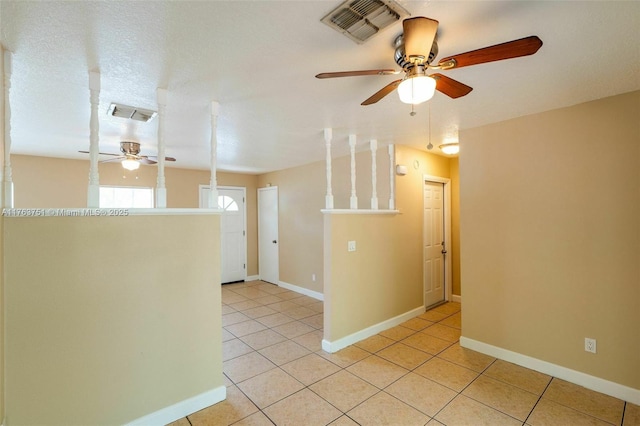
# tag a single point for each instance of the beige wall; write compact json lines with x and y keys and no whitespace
{"x":380,"y":280}
{"x":550,"y":208}
{"x":2,"y":311}
{"x":301,"y":197}
{"x":55,"y":182}
{"x":409,"y":197}
{"x":383,"y":277}
{"x":104,"y":327}
{"x":455,"y":226}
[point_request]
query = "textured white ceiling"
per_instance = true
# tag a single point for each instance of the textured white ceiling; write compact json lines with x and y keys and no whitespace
{"x":258,"y":59}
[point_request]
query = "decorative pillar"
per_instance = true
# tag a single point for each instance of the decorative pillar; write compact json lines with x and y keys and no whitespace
{"x":93,"y":194}
{"x":328,"y":134}
{"x":213,"y":184}
{"x":161,"y":190}
{"x":374,"y":172}
{"x":353,"y":201}
{"x":392,"y":177}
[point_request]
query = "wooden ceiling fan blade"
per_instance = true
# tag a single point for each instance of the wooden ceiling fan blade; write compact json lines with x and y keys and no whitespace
{"x":118,"y":158}
{"x":155,"y":158}
{"x":419,"y":33}
{"x":511,"y":49}
{"x":382,"y":93}
{"x":356,"y":73}
{"x":450,"y":87}
{"x":101,"y":153}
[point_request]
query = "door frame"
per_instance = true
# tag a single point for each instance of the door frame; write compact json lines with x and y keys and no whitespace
{"x":448,"y":282}
{"x":244,"y":206}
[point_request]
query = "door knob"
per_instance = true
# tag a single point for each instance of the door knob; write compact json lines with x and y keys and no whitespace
{"x":274,"y":242}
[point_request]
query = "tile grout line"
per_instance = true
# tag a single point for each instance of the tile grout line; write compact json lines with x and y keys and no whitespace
{"x":539,"y":398}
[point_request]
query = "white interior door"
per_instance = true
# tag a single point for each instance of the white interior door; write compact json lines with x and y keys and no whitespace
{"x":433,"y":250}
{"x":268,"y":253}
{"x":233,"y":240}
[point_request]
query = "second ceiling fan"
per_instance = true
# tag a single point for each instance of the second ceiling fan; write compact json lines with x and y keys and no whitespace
{"x":416,"y":48}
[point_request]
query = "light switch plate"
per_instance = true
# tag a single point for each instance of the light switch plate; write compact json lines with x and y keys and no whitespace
{"x":351,"y":246}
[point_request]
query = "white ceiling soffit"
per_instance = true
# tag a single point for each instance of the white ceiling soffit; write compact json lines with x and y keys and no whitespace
{"x":362,"y":19}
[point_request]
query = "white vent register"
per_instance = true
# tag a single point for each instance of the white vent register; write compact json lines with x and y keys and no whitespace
{"x":362,"y":19}
{"x":132,"y":113}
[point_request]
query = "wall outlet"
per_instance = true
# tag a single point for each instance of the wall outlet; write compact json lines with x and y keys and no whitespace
{"x":351,"y":246}
{"x":590,"y":345}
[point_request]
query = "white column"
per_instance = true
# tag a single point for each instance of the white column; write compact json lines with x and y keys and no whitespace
{"x":374,"y":172}
{"x":392,"y":177}
{"x":7,"y":185}
{"x":93,"y":193}
{"x":353,"y":201}
{"x":161,"y":189}
{"x":213,"y":184}
{"x":328,"y":134}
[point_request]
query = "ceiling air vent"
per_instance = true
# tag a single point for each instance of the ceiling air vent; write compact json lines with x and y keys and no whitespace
{"x":132,"y":113}
{"x":362,"y":19}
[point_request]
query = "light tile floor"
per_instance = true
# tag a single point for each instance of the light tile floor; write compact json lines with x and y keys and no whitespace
{"x":412,"y":374}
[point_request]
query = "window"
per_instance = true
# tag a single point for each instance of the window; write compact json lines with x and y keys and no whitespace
{"x":227,"y":204}
{"x":126,"y":197}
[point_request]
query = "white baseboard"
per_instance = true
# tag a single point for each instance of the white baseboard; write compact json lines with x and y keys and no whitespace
{"x":302,"y":290}
{"x":456,"y":298}
{"x":590,"y":382}
{"x":181,"y":409}
{"x":252,"y":278}
{"x":336,"y":345}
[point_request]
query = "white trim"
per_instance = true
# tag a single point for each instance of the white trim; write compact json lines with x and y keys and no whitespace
{"x":336,"y":345}
{"x":590,"y":382}
{"x":448,"y":283}
{"x":170,"y":212}
{"x":456,"y":298}
{"x":252,"y":278}
{"x":182,"y":409}
{"x":301,"y":290}
{"x":358,"y":211}
{"x":103,"y":212}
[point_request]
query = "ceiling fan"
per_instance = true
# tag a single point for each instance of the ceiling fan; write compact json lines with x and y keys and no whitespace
{"x":130,"y":157}
{"x":416,"y":48}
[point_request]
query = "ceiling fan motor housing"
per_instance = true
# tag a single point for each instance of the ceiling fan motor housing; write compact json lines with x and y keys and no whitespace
{"x":401,"y":58}
{"x":131,"y":148}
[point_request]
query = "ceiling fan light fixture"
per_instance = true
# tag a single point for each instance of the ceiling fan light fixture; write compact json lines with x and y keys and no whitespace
{"x":417,"y":89}
{"x":130,"y":164}
{"x":450,"y":148}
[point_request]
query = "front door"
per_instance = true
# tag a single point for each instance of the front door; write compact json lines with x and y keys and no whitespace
{"x":268,"y":254}
{"x":233,"y":252}
{"x":433,"y":250}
